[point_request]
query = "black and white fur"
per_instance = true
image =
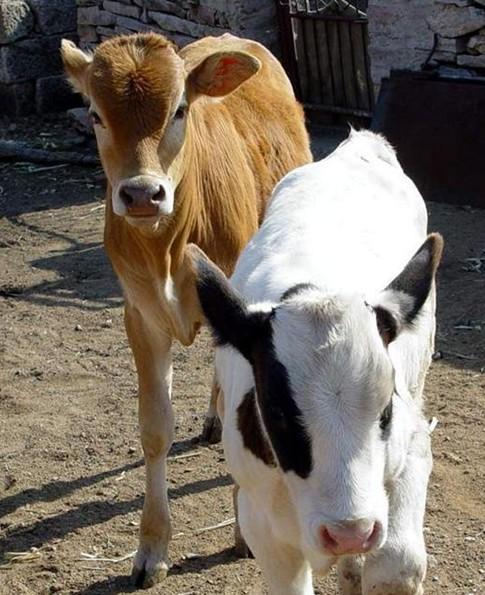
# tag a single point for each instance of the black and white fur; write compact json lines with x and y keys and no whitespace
{"x":325,"y":334}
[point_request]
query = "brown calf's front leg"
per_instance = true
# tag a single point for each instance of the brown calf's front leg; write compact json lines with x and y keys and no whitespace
{"x":212,"y":430}
{"x":152,"y":352}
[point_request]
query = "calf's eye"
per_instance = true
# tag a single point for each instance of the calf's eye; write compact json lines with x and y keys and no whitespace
{"x":95,"y":119}
{"x":179,"y":114}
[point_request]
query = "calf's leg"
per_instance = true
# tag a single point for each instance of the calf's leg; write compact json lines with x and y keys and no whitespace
{"x":349,"y":570}
{"x":285,"y":570}
{"x":212,"y":430}
{"x":154,"y":366}
{"x":399,"y":567}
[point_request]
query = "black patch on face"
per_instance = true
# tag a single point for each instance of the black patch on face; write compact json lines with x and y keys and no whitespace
{"x":385,"y":421}
{"x":249,"y":424}
{"x":281,"y":415}
{"x":296,"y":289}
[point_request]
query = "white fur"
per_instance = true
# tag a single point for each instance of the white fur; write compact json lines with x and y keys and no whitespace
{"x":347,"y":224}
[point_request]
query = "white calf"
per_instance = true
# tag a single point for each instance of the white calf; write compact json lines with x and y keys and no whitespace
{"x":325,"y":337}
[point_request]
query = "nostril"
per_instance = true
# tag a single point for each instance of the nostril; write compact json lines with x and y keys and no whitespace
{"x":328,"y":541}
{"x":126,"y":198}
{"x":160,"y":195}
{"x":350,"y":537}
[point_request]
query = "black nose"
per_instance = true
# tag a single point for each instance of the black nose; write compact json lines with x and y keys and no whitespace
{"x":141,"y":196}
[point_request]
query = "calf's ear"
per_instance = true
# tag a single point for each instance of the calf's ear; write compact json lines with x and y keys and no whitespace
{"x":224,"y":308}
{"x":403,"y":298}
{"x":221,"y":73}
{"x":76,"y":64}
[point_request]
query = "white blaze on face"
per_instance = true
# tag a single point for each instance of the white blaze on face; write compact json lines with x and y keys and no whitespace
{"x":341,"y":380}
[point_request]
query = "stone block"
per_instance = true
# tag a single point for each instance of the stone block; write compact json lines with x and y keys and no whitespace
{"x":31,"y":58}
{"x":471,"y":61}
{"x":16,"y":20}
{"x":174,"y":24}
{"x":453,"y":72}
{"x":180,"y":40}
{"x":17,"y":99}
{"x":92,"y":15}
{"x":122,"y":9}
{"x":476,"y":44}
{"x":453,"y":21}
{"x":54,"y":16}
{"x":203,"y":15}
{"x":442,"y":56}
{"x":53,"y":94}
{"x":87,"y":33}
{"x":81,"y":121}
{"x":164,"y":6}
{"x":106,"y":31}
{"x":451,"y":44}
{"x":131,"y":25}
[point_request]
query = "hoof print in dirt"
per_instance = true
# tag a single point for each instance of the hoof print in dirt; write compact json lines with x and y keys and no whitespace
{"x":212,"y":430}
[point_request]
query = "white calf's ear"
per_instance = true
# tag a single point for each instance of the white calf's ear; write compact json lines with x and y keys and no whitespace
{"x":401,"y":301}
{"x":224,"y":308}
{"x":222,"y":72}
{"x":76,"y":64}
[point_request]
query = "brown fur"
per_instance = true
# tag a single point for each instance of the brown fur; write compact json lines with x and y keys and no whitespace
{"x":244,"y":131}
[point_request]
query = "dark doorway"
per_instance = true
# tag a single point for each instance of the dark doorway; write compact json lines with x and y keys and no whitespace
{"x":324,"y":50}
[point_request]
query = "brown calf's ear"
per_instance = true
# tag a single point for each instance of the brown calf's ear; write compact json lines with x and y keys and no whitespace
{"x":222,"y":72}
{"x":76,"y":63}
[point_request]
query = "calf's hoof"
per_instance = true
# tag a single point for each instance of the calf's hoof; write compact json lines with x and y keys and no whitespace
{"x":241,"y":549}
{"x":212,"y":430}
{"x":146,"y":572}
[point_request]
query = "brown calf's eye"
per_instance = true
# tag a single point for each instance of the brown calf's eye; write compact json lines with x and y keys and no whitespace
{"x":95,"y":119}
{"x":179,"y":114}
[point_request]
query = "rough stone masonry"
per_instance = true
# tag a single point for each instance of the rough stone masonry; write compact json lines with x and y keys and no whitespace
{"x":183,"y":21}
{"x":31,"y":77}
{"x":448,"y":35}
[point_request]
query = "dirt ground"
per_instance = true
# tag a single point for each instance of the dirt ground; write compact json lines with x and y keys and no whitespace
{"x":71,"y":475}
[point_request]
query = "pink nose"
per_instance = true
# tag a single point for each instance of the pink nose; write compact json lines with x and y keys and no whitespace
{"x":349,"y":537}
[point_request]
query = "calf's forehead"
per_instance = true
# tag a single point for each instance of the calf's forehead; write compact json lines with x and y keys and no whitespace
{"x":333,"y":348}
{"x":136,"y":81}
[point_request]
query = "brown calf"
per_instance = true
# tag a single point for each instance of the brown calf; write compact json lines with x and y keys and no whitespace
{"x":192,"y":143}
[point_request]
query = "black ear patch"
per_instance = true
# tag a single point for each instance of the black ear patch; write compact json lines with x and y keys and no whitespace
{"x":248,"y":423}
{"x":224,"y":308}
{"x":296,"y":289}
{"x":417,"y":277}
{"x":387,"y":324}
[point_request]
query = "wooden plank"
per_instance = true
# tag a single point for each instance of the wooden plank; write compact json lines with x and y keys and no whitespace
{"x":348,"y":73}
{"x":301,"y":60}
{"x":335,"y":63}
{"x":315,"y":94}
{"x":325,"y":68}
{"x":361,"y":75}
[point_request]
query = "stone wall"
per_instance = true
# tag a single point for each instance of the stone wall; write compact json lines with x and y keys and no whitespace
{"x":31,"y":76}
{"x":445,"y":35}
{"x":183,"y":21}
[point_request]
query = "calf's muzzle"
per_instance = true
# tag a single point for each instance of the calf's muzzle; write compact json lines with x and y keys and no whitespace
{"x":350,"y":537}
{"x":142,"y":198}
